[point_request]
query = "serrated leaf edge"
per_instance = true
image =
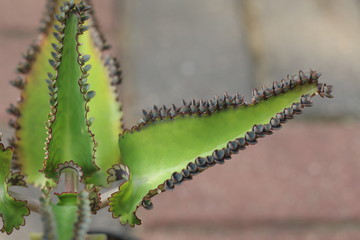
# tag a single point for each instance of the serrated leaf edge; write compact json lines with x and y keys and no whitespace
{"x":3,"y":149}
{"x":80,"y":11}
{"x":205,"y":108}
{"x":219,"y":156}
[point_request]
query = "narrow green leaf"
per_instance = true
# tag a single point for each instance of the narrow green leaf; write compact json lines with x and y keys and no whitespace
{"x":34,"y":109}
{"x":35,"y":105}
{"x":107,"y":120}
{"x":170,"y":145}
{"x":12,"y":211}
{"x":69,"y":136}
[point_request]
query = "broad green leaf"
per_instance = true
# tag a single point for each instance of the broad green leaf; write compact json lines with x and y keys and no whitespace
{"x":158,"y":152}
{"x":12,"y":211}
{"x":34,"y":107}
{"x":69,"y":138}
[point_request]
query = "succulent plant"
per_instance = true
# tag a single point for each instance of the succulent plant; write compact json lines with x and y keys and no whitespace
{"x":64,"y":129}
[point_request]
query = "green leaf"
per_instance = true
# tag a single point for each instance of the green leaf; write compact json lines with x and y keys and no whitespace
{"x":69,"y":139}
{"x":170,"y":145}
{"x":34,"y":107}
{"x":106,"y":125}
{"x":12,"y":211}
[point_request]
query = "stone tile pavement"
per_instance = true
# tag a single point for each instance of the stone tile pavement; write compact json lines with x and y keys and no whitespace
{"x":197,"y":49}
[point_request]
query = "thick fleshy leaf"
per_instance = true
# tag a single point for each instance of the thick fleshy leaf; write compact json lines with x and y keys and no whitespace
{"x":34,"y":107}
{"x":12,"y":211}
{"x":170,"y":145}
{"x":106,"y":124}
{"x":69,"y":135}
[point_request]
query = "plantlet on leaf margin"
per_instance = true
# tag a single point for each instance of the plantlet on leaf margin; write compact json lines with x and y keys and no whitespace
{"x":168,"y":146}
{"x":34,"y":105}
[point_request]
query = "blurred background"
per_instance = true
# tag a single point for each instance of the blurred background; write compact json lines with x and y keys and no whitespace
{"x":300,"y":183}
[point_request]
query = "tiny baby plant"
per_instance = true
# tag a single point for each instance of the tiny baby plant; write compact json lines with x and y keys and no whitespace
{"x":68,"y":128}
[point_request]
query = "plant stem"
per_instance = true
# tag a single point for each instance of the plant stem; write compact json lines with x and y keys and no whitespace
{"x":71,"y":181}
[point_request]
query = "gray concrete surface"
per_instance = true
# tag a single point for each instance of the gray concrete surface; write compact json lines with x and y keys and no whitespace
{"x":197,"y":49}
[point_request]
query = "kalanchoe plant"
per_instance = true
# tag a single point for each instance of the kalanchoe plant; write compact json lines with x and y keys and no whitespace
{"x":81,"y":140}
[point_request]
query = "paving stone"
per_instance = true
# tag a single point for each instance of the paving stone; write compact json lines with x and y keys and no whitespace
{"x":24,"y":16}
{"x":181,"y":49}
{"x":185,"y":49}
{"x":322,"y":35}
